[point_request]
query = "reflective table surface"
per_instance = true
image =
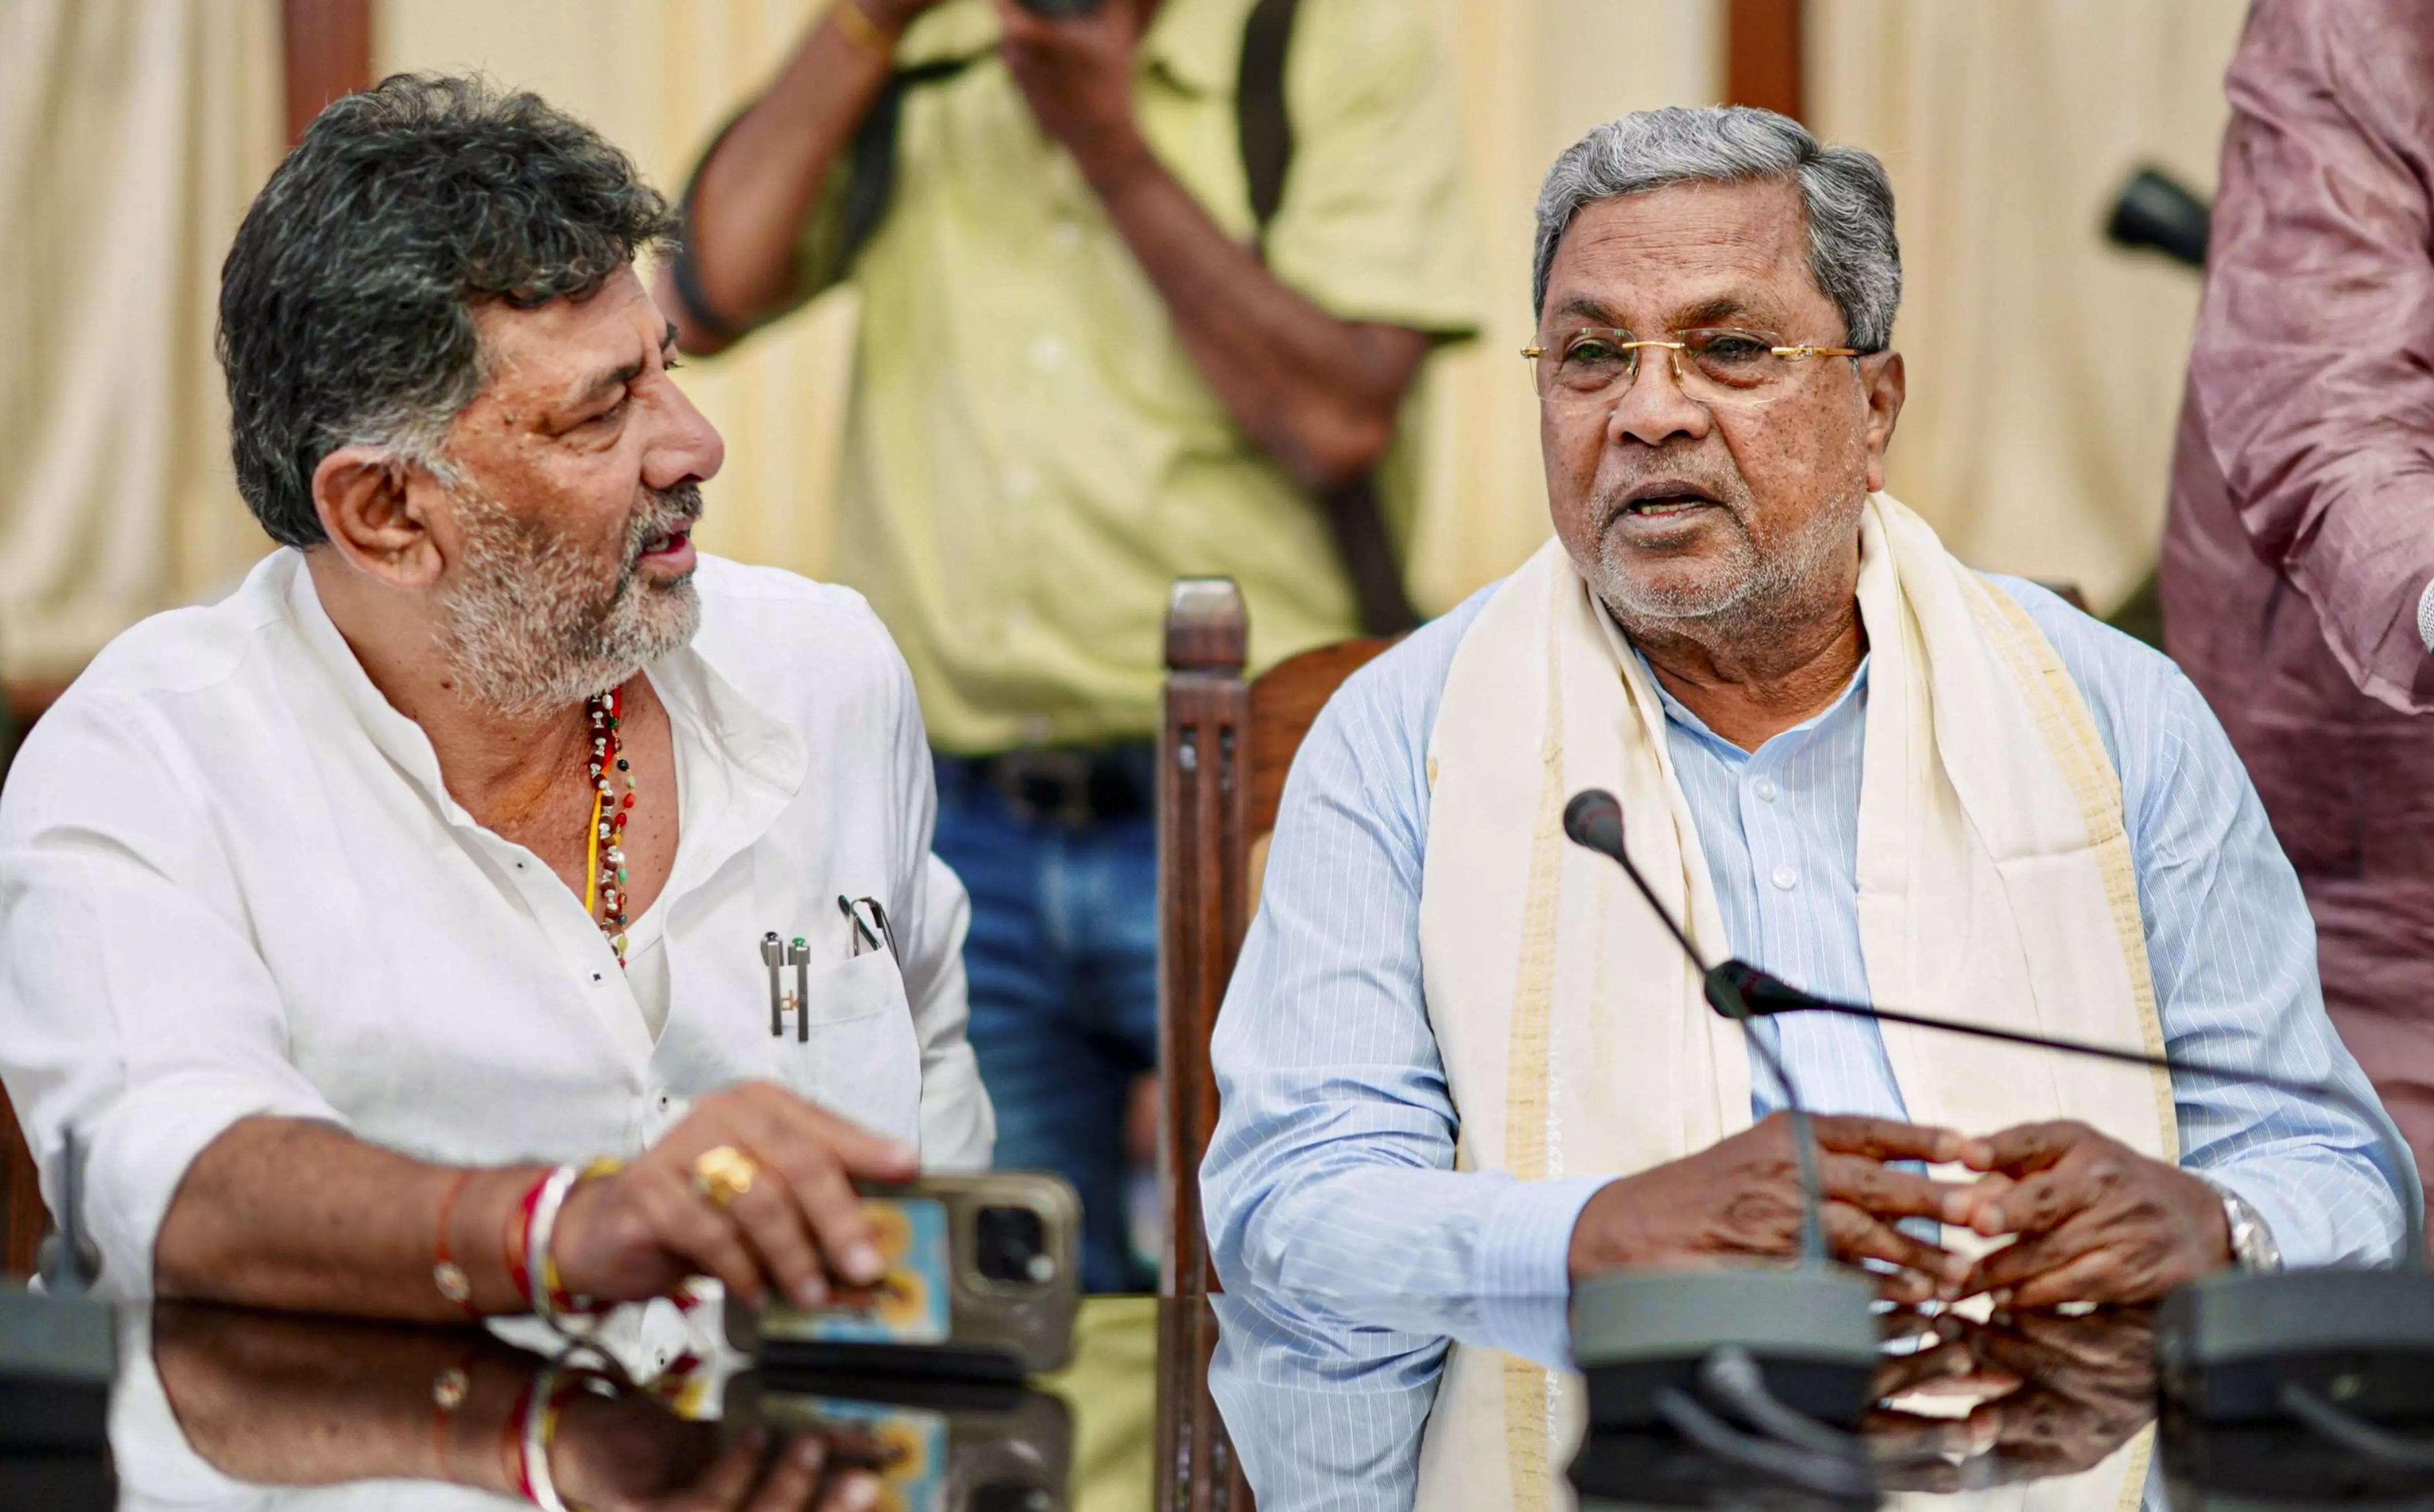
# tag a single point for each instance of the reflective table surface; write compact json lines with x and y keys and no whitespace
{"x":2046,"y":1410}
{"x":225,"y":1409}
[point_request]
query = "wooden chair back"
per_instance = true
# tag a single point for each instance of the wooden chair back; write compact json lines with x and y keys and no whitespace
{"x":1222,"y":761}
{"x":23,"y":1222}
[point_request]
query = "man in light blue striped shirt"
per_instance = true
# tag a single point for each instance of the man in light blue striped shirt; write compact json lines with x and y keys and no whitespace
{"x":1720,"y":536}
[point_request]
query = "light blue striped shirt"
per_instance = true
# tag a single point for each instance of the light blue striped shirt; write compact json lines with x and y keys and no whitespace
{"x":1350,"y":1249}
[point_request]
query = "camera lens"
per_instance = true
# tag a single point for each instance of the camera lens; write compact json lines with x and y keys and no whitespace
{"x":1014,"y":1246}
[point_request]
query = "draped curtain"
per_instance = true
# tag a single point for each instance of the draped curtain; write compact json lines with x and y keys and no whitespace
{"x":2044,"y":366}
{"x":132,"y":135}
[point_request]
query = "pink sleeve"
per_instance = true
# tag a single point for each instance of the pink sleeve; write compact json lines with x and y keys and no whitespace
{"x":2314,"y":359}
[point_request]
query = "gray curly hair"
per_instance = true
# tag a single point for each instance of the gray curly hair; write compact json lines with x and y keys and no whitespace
{"x":346,"y":301}
{"x":1853,"y":253}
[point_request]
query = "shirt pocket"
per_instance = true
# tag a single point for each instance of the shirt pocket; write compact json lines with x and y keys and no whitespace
{"x":859,"y":1059}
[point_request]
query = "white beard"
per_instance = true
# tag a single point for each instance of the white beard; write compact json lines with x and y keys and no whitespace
{"x":529,"y":627}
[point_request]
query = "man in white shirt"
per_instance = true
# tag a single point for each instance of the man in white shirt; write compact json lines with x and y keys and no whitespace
{"x":347,"y":923}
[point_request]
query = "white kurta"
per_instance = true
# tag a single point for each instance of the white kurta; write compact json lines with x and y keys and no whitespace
{"x":233,"y":883}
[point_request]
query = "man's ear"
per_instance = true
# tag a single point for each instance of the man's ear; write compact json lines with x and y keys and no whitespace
{"x":1881,"y":374}
{"x":373,"y":505}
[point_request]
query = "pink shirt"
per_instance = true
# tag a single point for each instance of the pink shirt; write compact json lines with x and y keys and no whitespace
{"x":2302,"y":531}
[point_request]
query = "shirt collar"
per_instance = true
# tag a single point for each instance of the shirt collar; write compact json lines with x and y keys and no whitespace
{"x":1679,"y":713}
{"x":392,"y":734}
{"x":1199,"y":42}
{"x":701,"y":703}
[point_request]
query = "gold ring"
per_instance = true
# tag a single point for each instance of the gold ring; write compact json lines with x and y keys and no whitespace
{"x":723,"y":1174}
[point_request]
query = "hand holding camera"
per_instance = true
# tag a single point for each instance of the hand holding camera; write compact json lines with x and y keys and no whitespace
{"x":1073,"y":61}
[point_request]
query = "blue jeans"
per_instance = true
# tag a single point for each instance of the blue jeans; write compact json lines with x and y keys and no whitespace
{"x":1062,"y":961}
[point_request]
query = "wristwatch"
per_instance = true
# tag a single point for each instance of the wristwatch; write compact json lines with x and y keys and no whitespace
{"x":2251,"y":1239}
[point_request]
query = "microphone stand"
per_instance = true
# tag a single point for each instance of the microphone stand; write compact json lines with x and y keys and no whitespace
{"x":59,"y":1349}
{"x":2333,"y":1348}
{"x":1593,"y":820}
{"x":1786,"y":1352}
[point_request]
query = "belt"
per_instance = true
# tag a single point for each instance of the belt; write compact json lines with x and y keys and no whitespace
{"x":1067,"y":785}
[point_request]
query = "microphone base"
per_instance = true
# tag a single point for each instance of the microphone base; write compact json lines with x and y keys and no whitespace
{"x":57,"y":1355}
{"x":2277,"y":1467}
{"x":1810,"y":1330}
{"x":2362,"y":1340}
{"x":1620,"y":1470}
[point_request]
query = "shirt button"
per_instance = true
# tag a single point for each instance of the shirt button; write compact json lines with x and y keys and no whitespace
{"x":1020,"y":481}
{"x":1047,"y":354}
{"x":1066,"y":232}
{"x":663,"y":1102}
{"x":595,"y":977}
{"x":1785,"y":878}
{"x":1764,"y":788}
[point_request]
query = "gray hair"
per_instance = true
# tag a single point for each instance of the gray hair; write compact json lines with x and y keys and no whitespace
{"x":346,"y":301}
{"x":1849,"y":202}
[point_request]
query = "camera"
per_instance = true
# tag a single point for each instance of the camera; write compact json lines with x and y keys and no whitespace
{"x":1060,"y":9}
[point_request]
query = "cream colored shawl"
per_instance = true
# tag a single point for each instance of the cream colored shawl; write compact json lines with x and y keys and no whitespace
{"x":1995,"y":883}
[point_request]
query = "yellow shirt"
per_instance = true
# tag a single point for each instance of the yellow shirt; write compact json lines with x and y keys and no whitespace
{"x":1030,"y":458}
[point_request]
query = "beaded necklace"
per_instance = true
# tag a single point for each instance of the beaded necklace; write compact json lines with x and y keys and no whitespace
{"x":603,"y":892}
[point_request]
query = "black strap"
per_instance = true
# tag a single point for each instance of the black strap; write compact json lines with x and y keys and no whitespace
{"x":1265,"y":128}
{"x":1261,"y":120}
{"x":873,"y":152}
{"x":1359,"y":527}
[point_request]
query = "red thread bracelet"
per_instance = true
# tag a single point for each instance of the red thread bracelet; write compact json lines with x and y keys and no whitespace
{"x":519,"y":1471}
{"x":518,"y":1232}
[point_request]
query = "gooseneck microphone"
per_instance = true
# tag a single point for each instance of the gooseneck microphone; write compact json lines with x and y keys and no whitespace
{"x":2234,"y":1347}
{"x":1766,"y":1366}
{"x":1593,"y":820}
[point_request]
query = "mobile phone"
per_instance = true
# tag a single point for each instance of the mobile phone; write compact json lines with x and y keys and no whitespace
{"x":942,"y":1446}
{"x":983,"y":1281}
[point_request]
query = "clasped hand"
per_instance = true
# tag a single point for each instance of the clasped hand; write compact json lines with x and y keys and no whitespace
{"x":2090,"y":1219}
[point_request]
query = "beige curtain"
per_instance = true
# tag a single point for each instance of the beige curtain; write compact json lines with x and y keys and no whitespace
{"x":132,"y":135}
{"x":2045,"y":366}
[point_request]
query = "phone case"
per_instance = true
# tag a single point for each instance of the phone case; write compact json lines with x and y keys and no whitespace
{"x":941,"y":1447}
{"x":936,"y":1313}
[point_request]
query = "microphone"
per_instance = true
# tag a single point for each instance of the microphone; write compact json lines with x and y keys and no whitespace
{"x":2231,"y":1348}
{"x":1785,"y":1353}
{"x":1593,"y":820}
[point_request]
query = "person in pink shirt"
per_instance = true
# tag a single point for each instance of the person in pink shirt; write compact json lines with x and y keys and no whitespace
{"x":2297,"y":566}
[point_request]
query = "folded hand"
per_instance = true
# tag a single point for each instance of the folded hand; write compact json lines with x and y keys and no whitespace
{"x":1740,"y":1196}
{"x":2095,"y":1221}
